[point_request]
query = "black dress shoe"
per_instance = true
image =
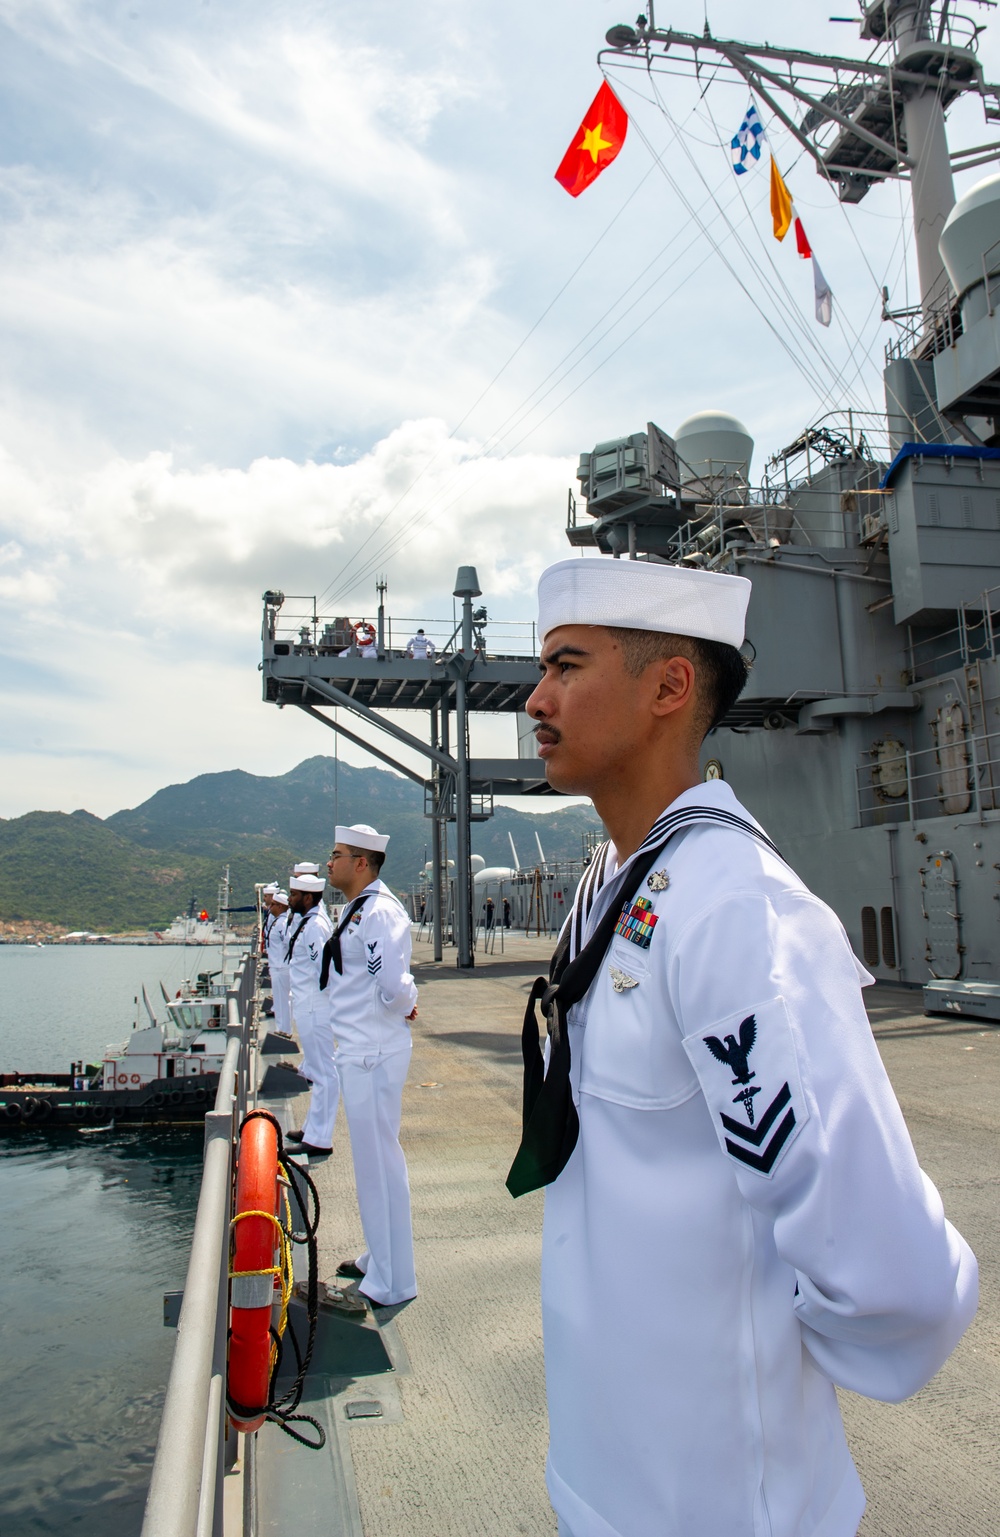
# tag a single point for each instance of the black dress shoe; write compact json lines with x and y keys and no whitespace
{"x":293,"y":1136}
{"x":310,"y":1147}
{"x":349,"y":1270}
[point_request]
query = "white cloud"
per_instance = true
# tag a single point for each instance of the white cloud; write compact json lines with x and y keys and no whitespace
{"x":258,"y":261}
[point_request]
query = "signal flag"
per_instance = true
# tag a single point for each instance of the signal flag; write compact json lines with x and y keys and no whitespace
{"x":781,"y":203}
{"x":595,"y":144}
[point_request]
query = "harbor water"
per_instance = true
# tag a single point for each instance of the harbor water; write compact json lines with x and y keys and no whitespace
{"x":98,"y":1227}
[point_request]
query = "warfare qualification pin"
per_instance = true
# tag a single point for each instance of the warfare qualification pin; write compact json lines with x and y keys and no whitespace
{"x":621,"y":981}
{"x":658,"y":881}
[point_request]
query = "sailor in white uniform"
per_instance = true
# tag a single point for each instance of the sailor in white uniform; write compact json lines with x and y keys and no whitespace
{"x":307,"y":932}
{"x":372,"y":998}
{"x":721,"y":1144}
{"x":276,"y":943}
{"x":419,"y":647}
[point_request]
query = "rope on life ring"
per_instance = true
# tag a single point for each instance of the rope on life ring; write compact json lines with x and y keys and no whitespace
{"x":364,"y":633}
{"x":261,"y":1266}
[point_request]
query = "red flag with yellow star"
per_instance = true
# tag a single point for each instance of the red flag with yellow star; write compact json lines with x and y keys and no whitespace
{"x":595,"y":144}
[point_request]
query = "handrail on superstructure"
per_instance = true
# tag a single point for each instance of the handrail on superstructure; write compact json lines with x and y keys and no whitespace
{"x":185,"y":1490}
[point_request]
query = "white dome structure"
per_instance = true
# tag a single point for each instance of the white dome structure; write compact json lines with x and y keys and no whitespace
{"x":972,"y":233}
{"x":713,"y":447}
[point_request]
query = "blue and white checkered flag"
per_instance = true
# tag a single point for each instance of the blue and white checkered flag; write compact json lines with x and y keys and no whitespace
{"x":746,"y":144}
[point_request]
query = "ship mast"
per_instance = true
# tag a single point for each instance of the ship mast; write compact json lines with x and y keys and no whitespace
{"x":863,"y":120}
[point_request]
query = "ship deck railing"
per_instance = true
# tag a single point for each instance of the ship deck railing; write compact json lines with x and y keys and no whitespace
{"x":192,"y":1451}
{"x":307,"y":631}
{"x":958,"y":776}
{"x":973,"y":638}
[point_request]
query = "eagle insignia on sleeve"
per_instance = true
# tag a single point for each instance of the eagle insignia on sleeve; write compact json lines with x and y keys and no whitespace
{"x":759,"y":1140}
{"x":374,"y":961}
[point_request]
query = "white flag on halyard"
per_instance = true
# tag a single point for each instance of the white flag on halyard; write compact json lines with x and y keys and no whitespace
{"x":824,"y":295}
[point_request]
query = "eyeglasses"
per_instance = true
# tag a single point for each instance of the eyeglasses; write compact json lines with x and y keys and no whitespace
{"x":335,"y":856}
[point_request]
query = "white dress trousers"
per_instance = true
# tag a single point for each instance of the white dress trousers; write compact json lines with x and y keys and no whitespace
{"x":373,"y":1097}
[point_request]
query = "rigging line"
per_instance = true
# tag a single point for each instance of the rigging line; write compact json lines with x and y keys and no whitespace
{"x":792,"y":319}
{"x":804,"y":365}
{"x":504,"y":366}
{"x":518,"y":416}
{"x":841,"y":379}
{"x":838,"y":377}
{"x":437,"y":511}
{"x":395,"y":543}
{"x":843,"y":324}
{"x":525,"y":403}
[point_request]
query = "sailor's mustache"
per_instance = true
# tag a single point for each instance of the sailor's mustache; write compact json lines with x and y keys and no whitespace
{"x":546,"y":735}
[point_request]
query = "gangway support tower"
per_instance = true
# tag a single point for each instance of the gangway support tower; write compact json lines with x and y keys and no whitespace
{"x":314,"y":663}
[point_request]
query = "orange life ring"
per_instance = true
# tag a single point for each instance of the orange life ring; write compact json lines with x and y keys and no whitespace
{"x":364,"y":633}
{"x":255,"y":1241}
{"x":136,"y":1078}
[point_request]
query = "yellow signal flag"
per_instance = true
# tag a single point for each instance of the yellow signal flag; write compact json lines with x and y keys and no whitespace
{"x":781,"y":203}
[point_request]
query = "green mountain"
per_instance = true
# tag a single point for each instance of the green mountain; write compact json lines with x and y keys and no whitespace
{"x":138,"y":868}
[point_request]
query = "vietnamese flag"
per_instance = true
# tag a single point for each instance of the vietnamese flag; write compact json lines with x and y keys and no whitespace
{"x":595,"y":144}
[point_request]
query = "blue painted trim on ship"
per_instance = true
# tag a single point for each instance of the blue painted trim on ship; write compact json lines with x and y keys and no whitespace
{"x":936,"y":451}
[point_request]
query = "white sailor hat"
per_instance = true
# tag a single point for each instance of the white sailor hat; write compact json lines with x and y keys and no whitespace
{"x":279,"y":896}
{"x":269,"y":889}
{"x":643,"y":595}
{"x":306,"y":883}
{"x":362,"y":837}
{"x":305,"y":868}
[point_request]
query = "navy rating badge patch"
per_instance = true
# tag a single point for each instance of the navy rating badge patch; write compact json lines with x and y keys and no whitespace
{"x":749,"y":1075}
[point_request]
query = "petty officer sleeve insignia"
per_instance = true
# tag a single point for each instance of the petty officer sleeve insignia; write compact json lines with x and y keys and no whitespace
{"x":749,"y":1074}
{"x":374,"y":957}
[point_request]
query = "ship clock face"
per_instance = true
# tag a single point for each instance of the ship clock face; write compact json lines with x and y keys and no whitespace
{"x":713,"y":769}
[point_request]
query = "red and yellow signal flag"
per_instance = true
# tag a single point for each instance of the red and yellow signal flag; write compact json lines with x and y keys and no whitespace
{"x":595,"y":144}
{"x":781,"y":203}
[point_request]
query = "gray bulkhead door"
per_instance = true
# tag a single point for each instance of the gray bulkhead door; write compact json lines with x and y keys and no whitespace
{"x":939,"y":893}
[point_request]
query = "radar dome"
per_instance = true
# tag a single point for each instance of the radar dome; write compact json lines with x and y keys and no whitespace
{"x":711,"y":444}
{"x":972,"y":231}
{"x":476,"y":863}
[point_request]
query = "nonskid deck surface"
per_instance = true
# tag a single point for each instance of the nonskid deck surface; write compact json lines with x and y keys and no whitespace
{"x":459,"y":1448}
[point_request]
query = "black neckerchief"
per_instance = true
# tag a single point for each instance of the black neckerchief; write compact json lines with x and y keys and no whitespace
{"x":294,"y":939}
{"x":550,"y":1124}
{"x":331,"y":950}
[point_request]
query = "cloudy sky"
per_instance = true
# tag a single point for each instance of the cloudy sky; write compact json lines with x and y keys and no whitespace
{"x":289,"y":297}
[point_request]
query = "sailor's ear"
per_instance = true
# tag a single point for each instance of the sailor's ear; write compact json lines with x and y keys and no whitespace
{"x":674,"y":679}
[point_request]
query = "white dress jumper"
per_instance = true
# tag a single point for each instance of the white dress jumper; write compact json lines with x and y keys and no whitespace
{"x":312,"y":1020}
{"x":369,"y":1003}
{"x":743,"y":1222}
{"x":277,"y":944}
